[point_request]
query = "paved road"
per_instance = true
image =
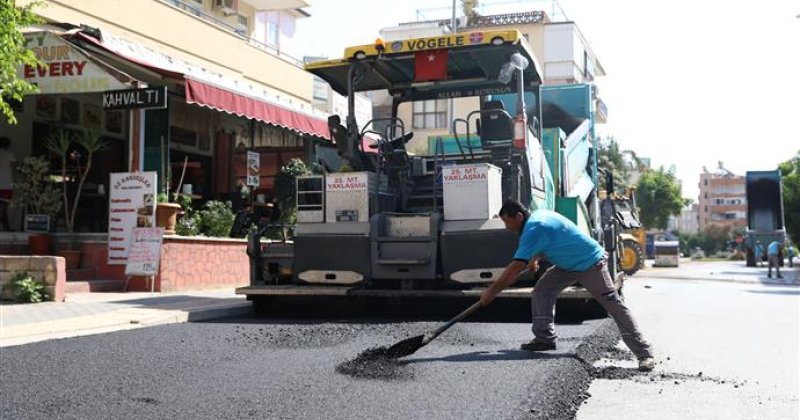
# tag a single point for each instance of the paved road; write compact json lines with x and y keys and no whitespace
{"x":257,"y":368}
{"x":727,"y":350}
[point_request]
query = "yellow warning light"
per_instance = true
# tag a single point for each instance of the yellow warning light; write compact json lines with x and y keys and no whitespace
{"x":380,"y":44}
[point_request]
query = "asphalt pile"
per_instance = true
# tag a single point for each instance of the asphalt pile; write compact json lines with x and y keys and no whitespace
{"x":375,"y":363}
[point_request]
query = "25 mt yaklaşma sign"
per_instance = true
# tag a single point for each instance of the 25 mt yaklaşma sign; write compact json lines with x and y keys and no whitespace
{"x":152,"y":97}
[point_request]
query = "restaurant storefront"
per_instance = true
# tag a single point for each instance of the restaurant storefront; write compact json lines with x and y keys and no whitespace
{"x":199,"y":138}
{"x":202,"y":134}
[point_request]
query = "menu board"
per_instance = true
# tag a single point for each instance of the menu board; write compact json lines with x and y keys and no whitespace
{"x":144,"y":252}
{"x":132,"y":204}
{"x":253,"y":169}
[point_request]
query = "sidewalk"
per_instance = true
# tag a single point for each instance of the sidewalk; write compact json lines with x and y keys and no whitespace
{"x":725,"y":271}
{"x":95,"y":313}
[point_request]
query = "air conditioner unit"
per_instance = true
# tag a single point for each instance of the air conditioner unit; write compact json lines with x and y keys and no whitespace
{"x":228,"y":7}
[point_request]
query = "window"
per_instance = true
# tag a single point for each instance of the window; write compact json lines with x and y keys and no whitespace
{"x":430,"y":114}
{"x":537,"y":162}
{"x":272,"y":33}
{"x":588,"y":67}
{"x":241,"y":20}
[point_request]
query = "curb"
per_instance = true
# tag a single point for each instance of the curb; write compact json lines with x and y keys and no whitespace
{"x":117,"y":320}
{"x":768,"y":282}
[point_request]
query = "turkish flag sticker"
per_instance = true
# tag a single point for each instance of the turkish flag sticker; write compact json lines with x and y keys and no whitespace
{"x":430,"y":65}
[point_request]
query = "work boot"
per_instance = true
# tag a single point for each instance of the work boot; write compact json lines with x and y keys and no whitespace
{"x":646,"y":364}
{"x":534,"y":345}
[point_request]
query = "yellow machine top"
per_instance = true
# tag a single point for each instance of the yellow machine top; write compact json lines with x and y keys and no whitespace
{"x":454,"y":65}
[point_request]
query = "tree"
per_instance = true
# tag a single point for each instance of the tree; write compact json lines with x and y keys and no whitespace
{"x":659,"y":197}
{"x":610,"y":158}
{"x":791,"y":196}
{"x":13,"y":54}
{"x":60,"y":144}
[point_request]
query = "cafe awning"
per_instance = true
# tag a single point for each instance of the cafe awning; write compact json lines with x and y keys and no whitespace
{"x":212,"y":90}
{"x":208,"y":95}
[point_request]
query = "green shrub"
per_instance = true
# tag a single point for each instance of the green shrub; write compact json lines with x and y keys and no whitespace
{"x":188,"y":223}
{"x":215,"y":219}
{"x":28,"y":289}
{"x":285,"y":189}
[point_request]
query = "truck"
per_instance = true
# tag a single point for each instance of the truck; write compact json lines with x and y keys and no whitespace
{"x":381,"y":221}
{"x":765,"y":222}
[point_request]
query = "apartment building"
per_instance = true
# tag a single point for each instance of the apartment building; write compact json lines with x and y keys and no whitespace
{"x":686,"y":222}
{"x":224,"y":72}
{"x":722,"y":199}
{"x":562,"y":51}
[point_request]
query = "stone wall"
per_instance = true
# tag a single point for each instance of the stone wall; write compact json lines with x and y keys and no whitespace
{"x":51,"y":270}
{"x":193,"y":263}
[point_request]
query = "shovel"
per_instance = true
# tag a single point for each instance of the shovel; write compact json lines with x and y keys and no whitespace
{"x":411,"y":345}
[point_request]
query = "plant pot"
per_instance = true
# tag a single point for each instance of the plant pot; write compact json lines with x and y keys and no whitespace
{"x":40,"y":244}
{"x":72,"y":258}
{"x":167,"y":216}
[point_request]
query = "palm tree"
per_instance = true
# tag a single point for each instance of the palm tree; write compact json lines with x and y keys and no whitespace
{"x":60,"y":143}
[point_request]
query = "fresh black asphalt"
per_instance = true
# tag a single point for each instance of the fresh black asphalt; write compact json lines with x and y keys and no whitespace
{"x":266,"y":368}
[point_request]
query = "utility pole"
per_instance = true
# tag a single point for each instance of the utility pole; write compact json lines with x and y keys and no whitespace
{"x":451,"y":104}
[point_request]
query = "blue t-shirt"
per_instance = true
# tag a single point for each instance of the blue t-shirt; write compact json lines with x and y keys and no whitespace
{"x":559,"y":240}
{"x":773,"y":248}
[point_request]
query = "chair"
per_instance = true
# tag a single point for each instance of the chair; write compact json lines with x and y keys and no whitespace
{"x":497,"y":132}
{"x":496,"y":124}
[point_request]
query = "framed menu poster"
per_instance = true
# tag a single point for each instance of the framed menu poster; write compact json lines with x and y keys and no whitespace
{"x":131,"y":204}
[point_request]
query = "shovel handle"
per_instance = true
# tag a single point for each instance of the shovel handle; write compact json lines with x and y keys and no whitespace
{"x":465,"y":313}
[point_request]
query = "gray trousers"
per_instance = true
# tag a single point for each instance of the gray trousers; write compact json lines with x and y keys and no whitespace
{"x":598,"y":282}
{"x":774,"y":261}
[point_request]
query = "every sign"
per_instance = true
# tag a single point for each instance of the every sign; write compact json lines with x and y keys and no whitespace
{"x":152,"y":97}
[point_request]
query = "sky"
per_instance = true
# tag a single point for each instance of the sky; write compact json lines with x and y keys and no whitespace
{"x":689,"y":82}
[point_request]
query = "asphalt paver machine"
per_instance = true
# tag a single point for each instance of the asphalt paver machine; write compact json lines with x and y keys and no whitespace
{"x":384,"y":220}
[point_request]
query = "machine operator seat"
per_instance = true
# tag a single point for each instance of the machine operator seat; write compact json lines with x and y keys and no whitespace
{"x":338,"y":133}
{"x":496,"y":130}
{"x":355,"y":157}
{"x":496,"y":124}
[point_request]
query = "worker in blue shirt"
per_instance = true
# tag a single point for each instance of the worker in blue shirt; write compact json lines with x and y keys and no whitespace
{"x":758,"y":250}
{"x":576,"y":258}
{"x":773,"y":253}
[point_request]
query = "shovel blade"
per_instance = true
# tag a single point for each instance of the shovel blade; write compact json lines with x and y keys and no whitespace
{"x":405,"y":347}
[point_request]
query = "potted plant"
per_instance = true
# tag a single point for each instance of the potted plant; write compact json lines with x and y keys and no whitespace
{"x":61,"y":144}
{"x":285,"y":191}
{"x":36,"y":193}
{"x":166,"y":213}
{"x":166,"y":210}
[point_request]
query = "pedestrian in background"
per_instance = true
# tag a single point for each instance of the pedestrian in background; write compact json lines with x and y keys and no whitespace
{"x":576,"y":258}
{"x":790,"y":254}
{"x":758,"y":250}
{"x":774,"y":256}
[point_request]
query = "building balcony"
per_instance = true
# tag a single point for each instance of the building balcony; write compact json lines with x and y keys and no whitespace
{"x":241,"y":30}
{"x":276,"y":4}
{"x":185,"y":32}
